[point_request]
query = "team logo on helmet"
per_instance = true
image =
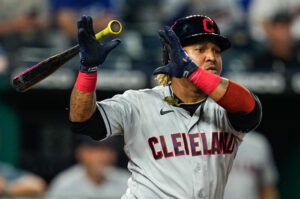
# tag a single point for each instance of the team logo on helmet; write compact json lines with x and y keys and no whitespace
{"x":206,"y":23}
{"x":199,"y":26}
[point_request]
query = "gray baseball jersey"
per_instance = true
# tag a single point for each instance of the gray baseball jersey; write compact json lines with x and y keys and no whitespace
{"x":172,"y":154}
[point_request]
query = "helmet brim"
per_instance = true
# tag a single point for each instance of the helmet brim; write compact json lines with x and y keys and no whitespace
{"x":221,"y":41}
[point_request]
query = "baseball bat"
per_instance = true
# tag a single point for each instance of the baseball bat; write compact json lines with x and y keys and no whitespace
{"x":33,"y":75}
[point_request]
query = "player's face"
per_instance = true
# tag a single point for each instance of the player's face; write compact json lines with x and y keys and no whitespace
{"x":206,"y":55}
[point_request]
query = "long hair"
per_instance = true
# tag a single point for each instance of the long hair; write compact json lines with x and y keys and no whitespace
{"x":163,"y":79}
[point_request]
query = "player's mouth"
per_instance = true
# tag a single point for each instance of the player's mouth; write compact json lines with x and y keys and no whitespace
{"x":212,"y":69}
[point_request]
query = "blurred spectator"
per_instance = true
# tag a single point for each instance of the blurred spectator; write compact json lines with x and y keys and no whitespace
{"x":3,"y":61}
{"x":17,"y":182}
{"x":67,"y":12}
{"x":228,"y":14}
{"x":254,"y":174}
{"x":260,"y":10}
{"x":282,"y":51}
{"x":17,"y":16}
{"x":24,"y":29}
{"x":95,"y":175}
{"x":14,"y":181}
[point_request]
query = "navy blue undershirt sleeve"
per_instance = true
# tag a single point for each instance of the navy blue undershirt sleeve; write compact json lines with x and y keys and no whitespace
{"x":247,"y":122}
{"x":93,"y":127}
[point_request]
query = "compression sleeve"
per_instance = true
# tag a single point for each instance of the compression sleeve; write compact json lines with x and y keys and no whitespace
{"x":93,"y":127}
{"x":243,"y":107}
{"x":237,"y":99}
{"x":247,"y":121}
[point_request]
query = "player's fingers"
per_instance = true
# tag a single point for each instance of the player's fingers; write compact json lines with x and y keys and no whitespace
{"x":174,"y":41}
{"x":163,"y":36}
{"x":167,"y":28}
{"x":165,"y":55}
{"x":164,"y":41}
{"x":111,"y":45}
{"x":83,"y":37}
{"x":90,"y":26}
{"x":168,"y":48}
{"x":163,"y":70}
{"x":172,"y":36}
{"x":81,"y":23}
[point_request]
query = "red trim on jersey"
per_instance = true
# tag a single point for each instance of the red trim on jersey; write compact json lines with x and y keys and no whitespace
{"x":205,"y":80}
{"x":86,"y":82}
{"x":237,"y":99}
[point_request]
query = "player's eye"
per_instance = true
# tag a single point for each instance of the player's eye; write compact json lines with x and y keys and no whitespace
{"x":200,"y":50}
{"x":217,"y":51}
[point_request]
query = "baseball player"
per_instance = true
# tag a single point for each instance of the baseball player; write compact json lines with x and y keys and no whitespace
{"x":181,"y":137}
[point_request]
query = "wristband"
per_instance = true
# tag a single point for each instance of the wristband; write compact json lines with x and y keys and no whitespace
{"x":86,"y":82}
{"x":205,"y":80}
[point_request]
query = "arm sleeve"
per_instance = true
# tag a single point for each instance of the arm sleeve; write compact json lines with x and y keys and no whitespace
{"x":237,"y":99}
{"x":93,"y":127}
{"x":246,"y":122}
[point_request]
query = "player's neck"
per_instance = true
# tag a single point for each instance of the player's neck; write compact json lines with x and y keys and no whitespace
{"x":186,"y":91}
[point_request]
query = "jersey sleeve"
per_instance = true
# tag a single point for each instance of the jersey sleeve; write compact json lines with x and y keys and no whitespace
{"x":119,"y":111}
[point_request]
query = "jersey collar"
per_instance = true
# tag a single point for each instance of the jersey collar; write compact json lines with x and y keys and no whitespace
{"x":173,"y":100}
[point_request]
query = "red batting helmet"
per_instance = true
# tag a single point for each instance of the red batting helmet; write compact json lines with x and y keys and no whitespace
{"x":199,"y":27}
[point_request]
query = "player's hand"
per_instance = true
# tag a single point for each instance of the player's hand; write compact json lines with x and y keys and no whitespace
{"x":179,"y":65}
{"x":92,"y":52}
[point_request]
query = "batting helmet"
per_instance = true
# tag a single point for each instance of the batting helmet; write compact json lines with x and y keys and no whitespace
{"x":199,"y":27}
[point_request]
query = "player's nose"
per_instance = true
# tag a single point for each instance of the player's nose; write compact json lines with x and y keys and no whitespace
{"x":210,"y":55}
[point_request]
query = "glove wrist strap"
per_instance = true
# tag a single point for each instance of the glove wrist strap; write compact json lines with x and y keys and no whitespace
{"x":206,"y":81}
{"x":88,"y":69}
{"x":86,"y":82}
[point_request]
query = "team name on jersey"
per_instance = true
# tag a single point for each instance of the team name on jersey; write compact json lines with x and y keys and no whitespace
{"x":194,"y":144}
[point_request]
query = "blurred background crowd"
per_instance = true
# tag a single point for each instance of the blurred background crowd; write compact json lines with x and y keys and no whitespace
{"x":36,"y":144}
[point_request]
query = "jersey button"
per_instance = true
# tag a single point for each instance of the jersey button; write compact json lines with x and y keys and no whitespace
{"x":201,"y":195}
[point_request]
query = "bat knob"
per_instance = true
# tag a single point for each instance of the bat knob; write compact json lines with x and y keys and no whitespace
{"x":115,"y":26}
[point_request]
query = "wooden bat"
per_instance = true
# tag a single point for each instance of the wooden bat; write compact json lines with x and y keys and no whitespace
{"x":33,"y":75}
